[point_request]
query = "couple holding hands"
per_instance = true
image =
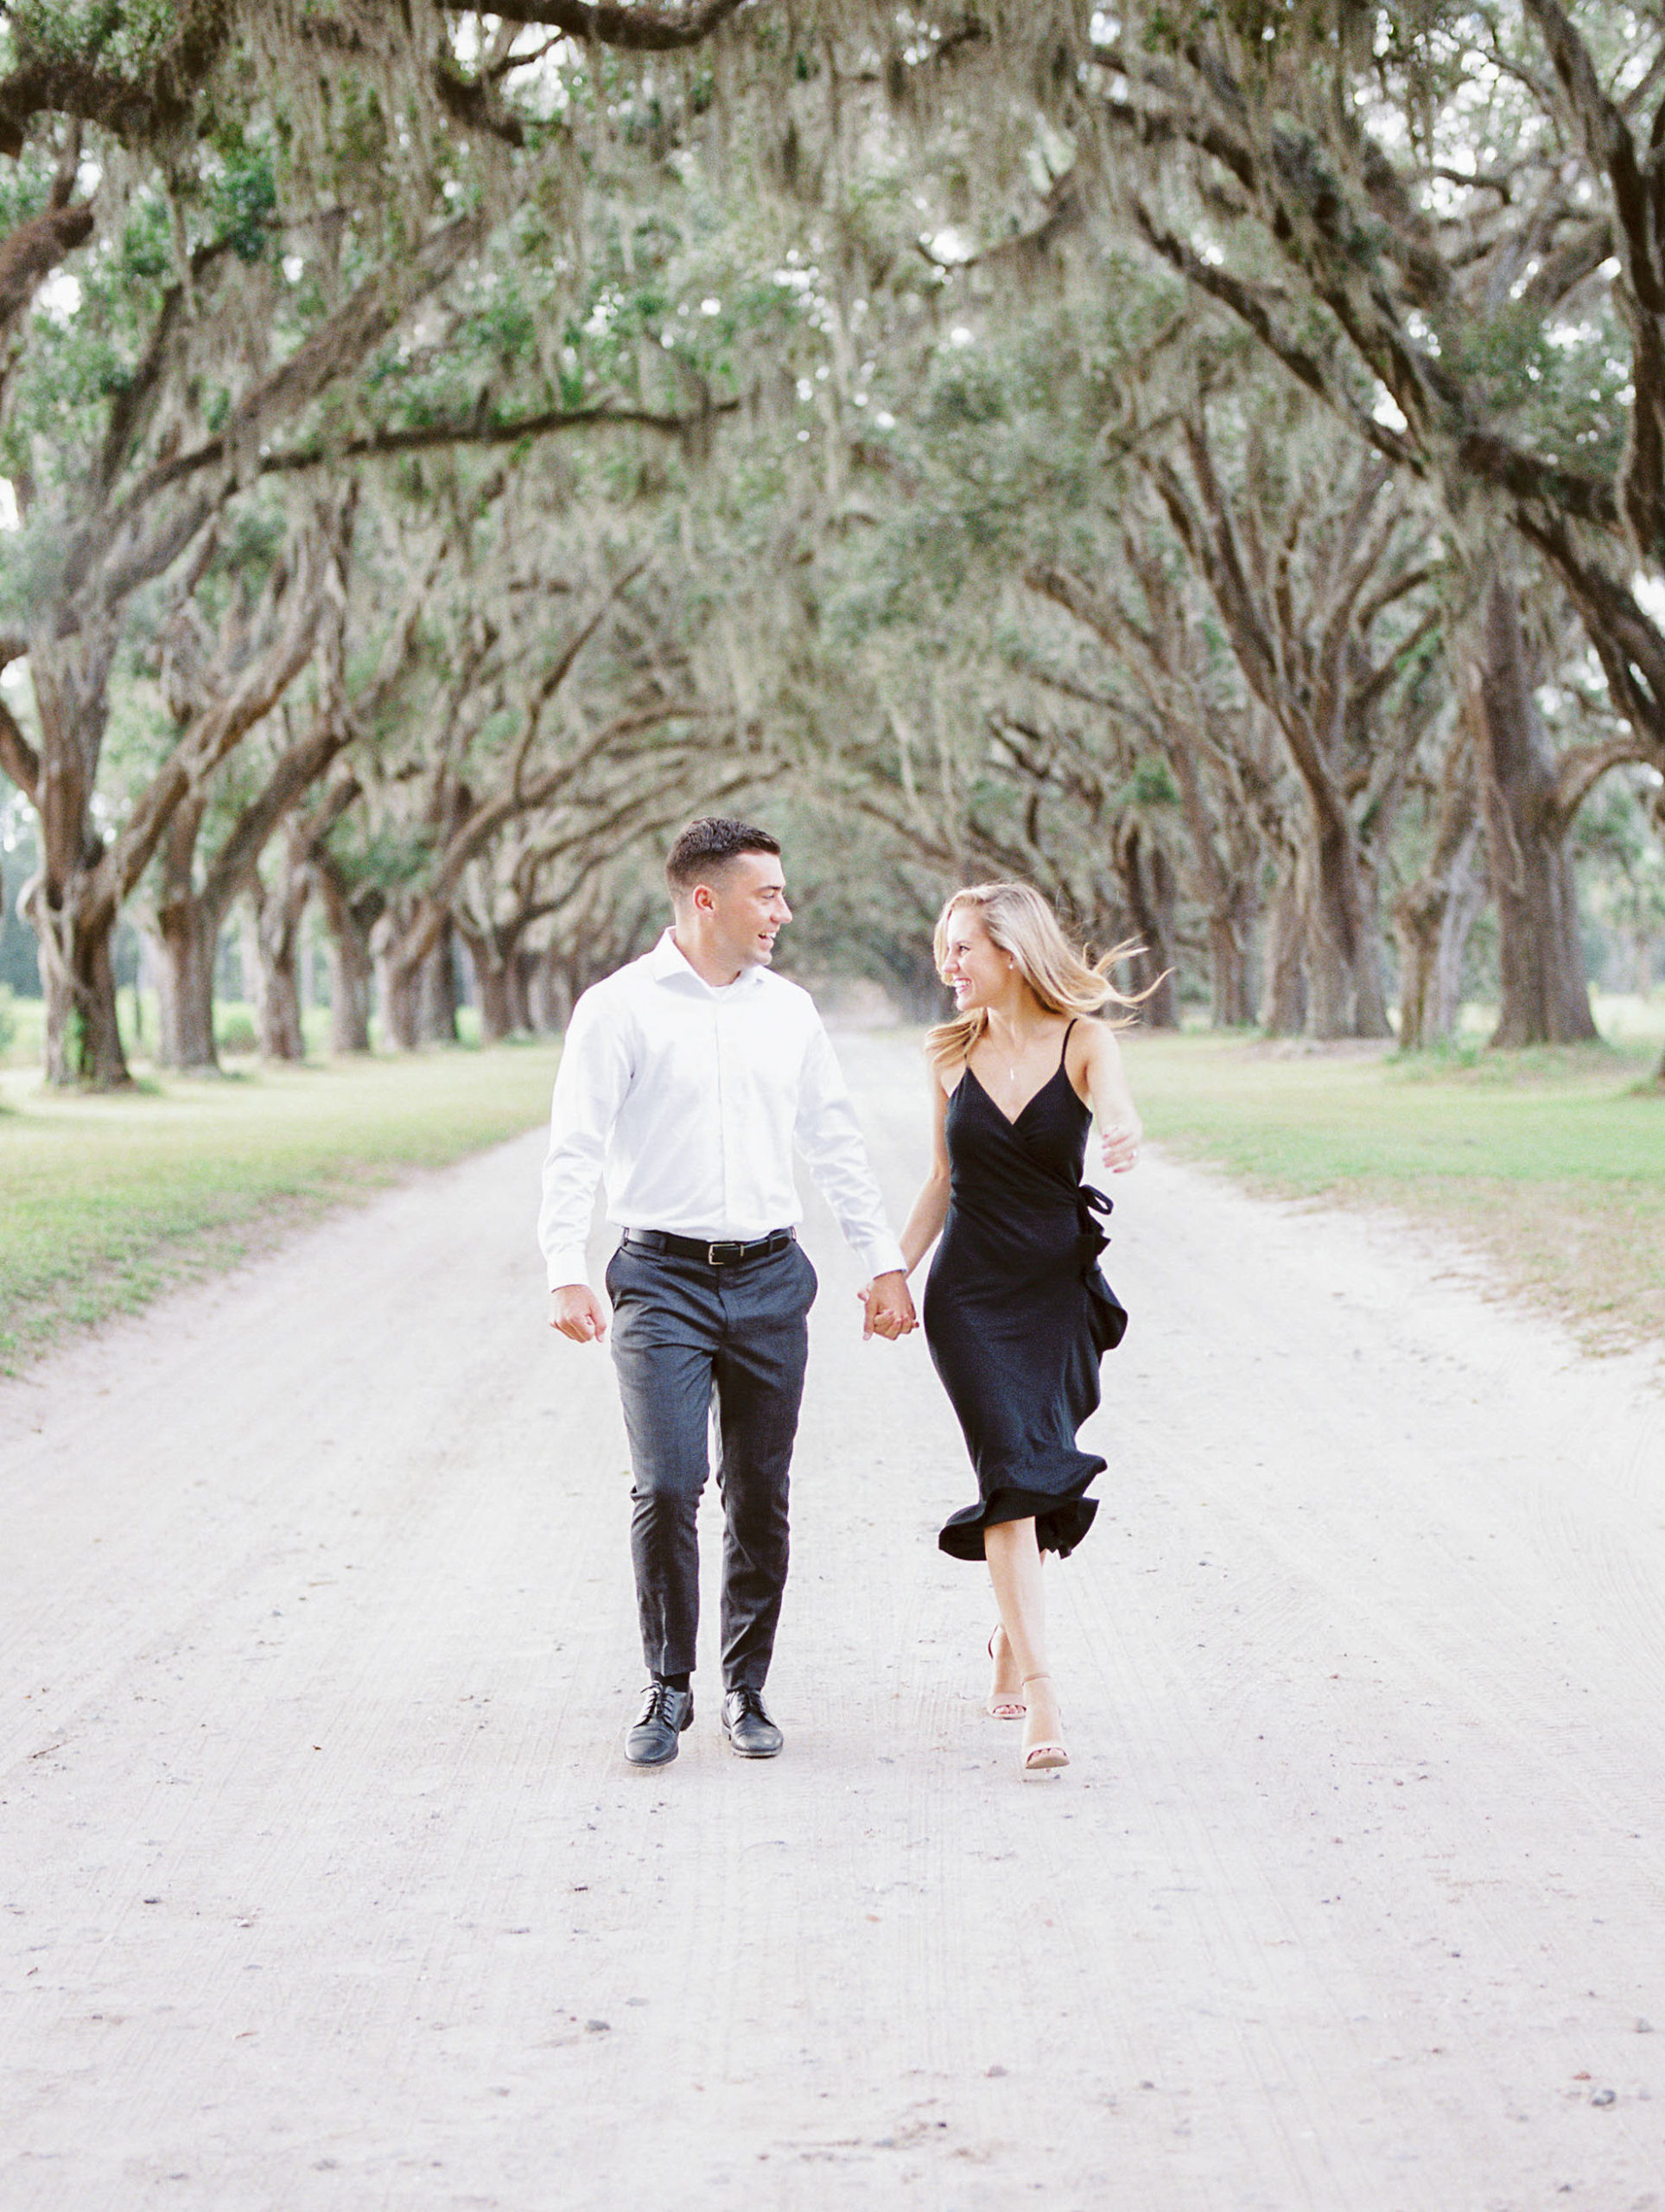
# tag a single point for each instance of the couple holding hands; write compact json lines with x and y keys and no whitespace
{"x":687,"y":1080}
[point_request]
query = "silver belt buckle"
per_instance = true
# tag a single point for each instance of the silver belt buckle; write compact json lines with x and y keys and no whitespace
{"x":724,"y":1252}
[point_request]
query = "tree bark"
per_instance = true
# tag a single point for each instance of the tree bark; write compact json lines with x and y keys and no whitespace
{"x":277,"y":1009}
{"x":68,"y":904}
{"x":349,"y":918}
{"x":400,"y":949}
{"x":184,"y":937}
{"x":183,"y":943}
{"x":78,"y":985}
{"x":519,"y":989}
{"x":351,"y":973}
{"x":493,"y":957}
{"x":548,"y":993}
{"x":409,"y":932}
{"x":496,"y":1001}
{"x":1147,"y":882}
{"x":398,"y":993}
{"x":1346,"y":991}
{"x":437,"y":995}
{"x":1283,"y":995}
{"x":275,"y":915}
{"x":1433,"y":917}
{"x":418,"y":994}
{"x":1231,"y":997}
{"x":1464,"y":908}
{"x":1545,"y":994}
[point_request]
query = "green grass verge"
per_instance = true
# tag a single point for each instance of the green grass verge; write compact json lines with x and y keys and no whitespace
{"x":1550,"y":1164}
{"x":109,"y":1201}
{"x":22,"y":1024}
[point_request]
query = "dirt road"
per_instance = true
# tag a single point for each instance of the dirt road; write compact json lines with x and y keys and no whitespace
{"x":325,"y":1885}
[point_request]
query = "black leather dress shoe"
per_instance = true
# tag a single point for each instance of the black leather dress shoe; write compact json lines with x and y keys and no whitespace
{"x":665,"y":1712}
{"x":749,"y":1728}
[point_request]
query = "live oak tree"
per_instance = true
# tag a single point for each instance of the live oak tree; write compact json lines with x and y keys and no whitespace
{"x":254,"y":202}
{"x":876,"y":332}
{"x":1443,"y":227}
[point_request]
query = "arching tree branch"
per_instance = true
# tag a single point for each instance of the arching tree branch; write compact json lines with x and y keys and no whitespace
{"x":607,"y":22}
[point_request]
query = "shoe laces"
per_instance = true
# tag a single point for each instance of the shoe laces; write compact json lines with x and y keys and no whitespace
{"x":655,"y":1704}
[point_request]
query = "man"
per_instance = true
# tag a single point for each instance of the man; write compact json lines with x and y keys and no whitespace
{"x":687,"y":1078}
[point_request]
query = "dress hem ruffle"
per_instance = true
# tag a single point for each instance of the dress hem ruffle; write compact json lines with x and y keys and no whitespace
{"x":1060,"y":1522}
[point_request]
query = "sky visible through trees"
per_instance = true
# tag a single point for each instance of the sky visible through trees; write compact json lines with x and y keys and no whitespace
{"x":1207,"y":461}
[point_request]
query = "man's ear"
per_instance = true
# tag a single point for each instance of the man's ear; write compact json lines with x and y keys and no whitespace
{"x":702,"y":901}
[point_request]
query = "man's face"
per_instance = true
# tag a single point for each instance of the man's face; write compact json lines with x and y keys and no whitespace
{"x":748,"y":907}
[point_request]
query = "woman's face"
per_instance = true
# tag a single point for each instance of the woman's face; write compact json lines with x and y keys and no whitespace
{"x":974,"y":969}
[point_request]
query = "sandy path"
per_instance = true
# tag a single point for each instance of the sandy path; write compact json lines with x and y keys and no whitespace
{"x":324,"y":1885}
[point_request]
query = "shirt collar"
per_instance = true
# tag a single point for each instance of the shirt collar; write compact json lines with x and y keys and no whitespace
{"x":668,"y":963}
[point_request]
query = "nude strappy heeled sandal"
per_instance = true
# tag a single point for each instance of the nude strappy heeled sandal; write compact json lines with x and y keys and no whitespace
{"x":1044,"y":1758}
{"x":1002,"y":1709}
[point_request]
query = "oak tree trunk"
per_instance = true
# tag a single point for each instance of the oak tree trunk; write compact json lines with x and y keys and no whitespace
{"x":1231,"y":1004}
{"x":273,"y":933}
{"x":83,"y":1040}
{"x":1283,"y":990}
{"x":437,"y":997}
{"x":277,"y":1010}
{"x":349,"y":918}
{"x":1148,"y":885}
{"x":493,"y":958}
{"x":1433,"y":920}
{"x":1434,"y":915}
{"x":519,"y":988}
{"x":549,"y":994}
{"x":398,"y":991}
{"x":349,"y":971}
{"x":1545,"y":991}
{"x":496,"y":1004}
{"x":1463,"y":909}
{"x":1419,"y":923}
{"x":401,"y":961}
{"x":183,"y":941}
{"x":276,"y":913}
{"x":183,"y":935}
{"x":1346,"y":992}
{"x":68,"y":904}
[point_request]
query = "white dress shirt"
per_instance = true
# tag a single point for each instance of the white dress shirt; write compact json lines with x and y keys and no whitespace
{"x":689,"y":1100}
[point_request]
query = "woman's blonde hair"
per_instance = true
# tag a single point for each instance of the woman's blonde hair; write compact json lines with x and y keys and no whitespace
{"x":1020,"y":921}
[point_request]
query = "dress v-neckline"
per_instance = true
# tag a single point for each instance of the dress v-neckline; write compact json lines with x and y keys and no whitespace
{"x":1012,"y":1120}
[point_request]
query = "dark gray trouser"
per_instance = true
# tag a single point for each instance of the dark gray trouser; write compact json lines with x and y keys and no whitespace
{"x":682,"y":1330}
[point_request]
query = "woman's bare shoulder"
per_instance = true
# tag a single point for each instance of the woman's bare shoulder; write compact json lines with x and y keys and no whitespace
{"x":1093,"y":1032}
{"x":1092,"y":1045}
{"x":944,"y":1076}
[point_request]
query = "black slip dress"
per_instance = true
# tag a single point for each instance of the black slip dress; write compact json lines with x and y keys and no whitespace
{"x":1017,"y":1313}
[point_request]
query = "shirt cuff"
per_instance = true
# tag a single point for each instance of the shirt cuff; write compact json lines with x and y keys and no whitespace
{"x":567,"y":1270}
{"x":882,"y":1257}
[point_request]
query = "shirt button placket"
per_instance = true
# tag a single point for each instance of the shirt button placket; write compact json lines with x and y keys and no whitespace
{"x":724,"y":1148}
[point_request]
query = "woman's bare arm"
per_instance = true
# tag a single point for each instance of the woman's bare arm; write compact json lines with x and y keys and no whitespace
{"x":1101,"y":1079}
{"x":924,"y":1223}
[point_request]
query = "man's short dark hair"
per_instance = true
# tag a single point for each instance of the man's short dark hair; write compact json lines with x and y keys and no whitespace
{"x":708,"y":845}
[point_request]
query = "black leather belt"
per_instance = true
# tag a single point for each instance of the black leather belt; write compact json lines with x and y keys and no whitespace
{"x":721,"y":1255}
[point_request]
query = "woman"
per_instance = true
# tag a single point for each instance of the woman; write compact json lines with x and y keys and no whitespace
{"x":1016,"y":1312}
